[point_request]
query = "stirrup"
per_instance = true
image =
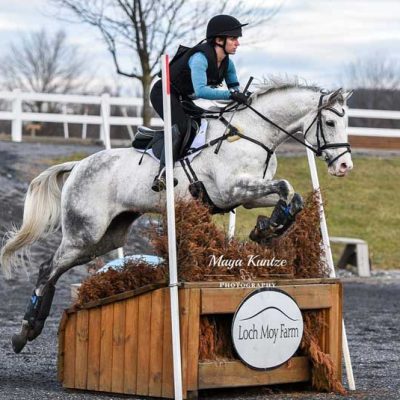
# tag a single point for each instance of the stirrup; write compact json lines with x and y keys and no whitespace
{"x":160,"y":182}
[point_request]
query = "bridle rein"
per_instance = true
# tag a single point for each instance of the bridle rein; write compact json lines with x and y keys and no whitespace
{"x":322,"y":143}
{"x":319,"y":134}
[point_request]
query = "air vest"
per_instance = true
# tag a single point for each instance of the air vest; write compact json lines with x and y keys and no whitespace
{"x":180,"y":73}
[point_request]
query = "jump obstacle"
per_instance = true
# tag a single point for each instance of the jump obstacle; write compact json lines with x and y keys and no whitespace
{"x":122,"y":344}
{"x":146,"y":342}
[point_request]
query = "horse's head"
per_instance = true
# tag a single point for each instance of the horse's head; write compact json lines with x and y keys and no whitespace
{"x":326,"y":132}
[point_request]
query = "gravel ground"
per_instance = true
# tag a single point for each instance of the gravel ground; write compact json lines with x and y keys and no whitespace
{"x":370,"y":308}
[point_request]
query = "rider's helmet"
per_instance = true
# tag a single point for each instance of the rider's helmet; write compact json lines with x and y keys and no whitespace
{"x":224,"y":25}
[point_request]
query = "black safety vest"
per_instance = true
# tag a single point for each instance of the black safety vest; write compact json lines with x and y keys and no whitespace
{"x":180,"y":74}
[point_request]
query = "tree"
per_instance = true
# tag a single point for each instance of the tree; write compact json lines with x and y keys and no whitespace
{"x":374,"y":72}
{"x":44,"y":63}
{"x":142,"y":30}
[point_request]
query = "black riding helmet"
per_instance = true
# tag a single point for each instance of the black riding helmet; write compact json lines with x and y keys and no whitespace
{"x":224,"y":25}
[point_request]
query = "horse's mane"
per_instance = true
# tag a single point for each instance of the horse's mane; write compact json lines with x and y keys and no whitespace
{"x":273,"y":84}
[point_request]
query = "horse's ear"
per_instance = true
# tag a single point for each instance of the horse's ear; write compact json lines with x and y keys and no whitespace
{"x":347,"y":95}
{"x":334,"y":95}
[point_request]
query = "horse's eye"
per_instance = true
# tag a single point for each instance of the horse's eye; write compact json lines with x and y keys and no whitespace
{"x":330,"y":123}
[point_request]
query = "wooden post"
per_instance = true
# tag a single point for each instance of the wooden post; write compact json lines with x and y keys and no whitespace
{"x":105,"y":114}
{"x":16,"y":125}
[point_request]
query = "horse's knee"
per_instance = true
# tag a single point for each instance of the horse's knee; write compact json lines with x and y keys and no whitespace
{"x":285,"y":191}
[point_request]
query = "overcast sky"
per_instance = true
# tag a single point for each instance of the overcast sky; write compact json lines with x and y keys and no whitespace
{"x":311,"y":39}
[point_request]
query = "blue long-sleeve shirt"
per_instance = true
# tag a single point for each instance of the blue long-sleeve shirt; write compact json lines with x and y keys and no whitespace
{"x":198,"y":65}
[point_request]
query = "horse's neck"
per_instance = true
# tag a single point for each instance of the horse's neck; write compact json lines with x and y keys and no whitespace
{"x":286,"y":108}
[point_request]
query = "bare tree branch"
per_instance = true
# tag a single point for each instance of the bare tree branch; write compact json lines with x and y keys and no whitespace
{"x":44,"y":63}
{"x":374,"y":72}
{"x":142,"y":30}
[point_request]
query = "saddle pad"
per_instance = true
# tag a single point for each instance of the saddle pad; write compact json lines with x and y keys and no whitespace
{"x":198,"y":141}
{"x":211,"y":105}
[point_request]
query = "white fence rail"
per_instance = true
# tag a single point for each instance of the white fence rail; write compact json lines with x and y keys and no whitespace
{"x":104,"y":119}
{"x":373,"y":114}
{"x":17,"y":116}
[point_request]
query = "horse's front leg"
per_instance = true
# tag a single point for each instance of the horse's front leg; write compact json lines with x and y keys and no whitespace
{"x":261,"y":193}
{"x":257,"y":192}
{"x":38,"y":308}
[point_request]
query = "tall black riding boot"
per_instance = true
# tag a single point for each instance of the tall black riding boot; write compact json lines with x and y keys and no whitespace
{"x":160,"y":182}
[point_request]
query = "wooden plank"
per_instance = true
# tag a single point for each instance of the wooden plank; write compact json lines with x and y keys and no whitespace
{"x":118,"y":348}
{"x":61,"y":349}
{"x":226,"y":301}
{"x":144,"y":289}
{"x":373,"y":142}
{"x":122,"y":296}
{"x":257,"y":284}
{"x":335,"y":329}
{"x":94,"y":349}
{"x":107,"y":319}
{"x":156,"y":343}
{"x":69,"y":352}
{"x":131,"y":343}
{"x":340,"y":331}
{"x":143,"y":350}
{"x":184,"y":297}
{"x":193,"y":340}
{"x":235,"y":373}
{"x":81,"y":359}
{"x":168,"y":373}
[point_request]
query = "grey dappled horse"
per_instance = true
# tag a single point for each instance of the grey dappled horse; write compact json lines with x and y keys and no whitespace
{"x":104,"y":193}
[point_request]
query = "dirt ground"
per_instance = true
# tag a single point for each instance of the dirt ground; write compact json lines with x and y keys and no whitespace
{"x":370,"y":308}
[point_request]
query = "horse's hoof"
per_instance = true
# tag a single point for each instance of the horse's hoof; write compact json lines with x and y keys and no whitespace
{"x":36,"y":331}
{"x":18,"y":342}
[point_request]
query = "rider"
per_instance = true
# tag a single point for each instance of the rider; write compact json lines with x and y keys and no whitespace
{"x":195,"y":75}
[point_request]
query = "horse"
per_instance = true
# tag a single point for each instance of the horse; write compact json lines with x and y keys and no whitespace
{"x":94,"y":201}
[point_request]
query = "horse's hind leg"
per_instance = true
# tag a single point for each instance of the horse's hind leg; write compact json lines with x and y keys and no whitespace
{"x":39,"y":304}
{"x":75,"y":249}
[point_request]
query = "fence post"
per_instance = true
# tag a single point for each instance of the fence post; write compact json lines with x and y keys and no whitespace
{"x":84,"y":125}
{"x":66,"y":132}
{"x":16,"y":125}
{"x":105,"y":114}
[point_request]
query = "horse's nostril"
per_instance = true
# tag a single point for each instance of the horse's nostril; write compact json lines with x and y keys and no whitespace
{"x":343,"y":167}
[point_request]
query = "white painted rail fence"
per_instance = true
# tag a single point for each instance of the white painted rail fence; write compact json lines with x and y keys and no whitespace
{"x":104,"y":119}
{"x":17,"y":116}
{"x":372,"y":114}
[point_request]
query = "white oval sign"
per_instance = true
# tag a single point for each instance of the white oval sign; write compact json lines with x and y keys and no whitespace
{"x":267,"y":328}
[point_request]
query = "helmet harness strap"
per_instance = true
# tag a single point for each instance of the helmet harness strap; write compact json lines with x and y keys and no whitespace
{"x":223,"y":46}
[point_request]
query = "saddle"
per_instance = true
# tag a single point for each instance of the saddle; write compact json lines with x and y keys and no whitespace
{"x":147,"y":138}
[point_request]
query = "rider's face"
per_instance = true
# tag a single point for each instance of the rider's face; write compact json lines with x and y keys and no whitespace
{"x":232,"y":44}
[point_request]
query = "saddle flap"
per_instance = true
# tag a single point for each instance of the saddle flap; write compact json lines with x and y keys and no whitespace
{"x":145,"y":136}
{"x":144,"y":132}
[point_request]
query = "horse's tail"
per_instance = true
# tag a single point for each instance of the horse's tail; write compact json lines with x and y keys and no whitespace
{"x":42,"y":210}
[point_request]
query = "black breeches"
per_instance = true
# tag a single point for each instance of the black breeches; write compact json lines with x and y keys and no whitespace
{"x":178,"y":116}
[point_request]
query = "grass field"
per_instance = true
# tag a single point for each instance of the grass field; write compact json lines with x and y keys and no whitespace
{"x":362,"y":205}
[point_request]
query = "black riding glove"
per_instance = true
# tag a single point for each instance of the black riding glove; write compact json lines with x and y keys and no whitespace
{"x":239,"y":97}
